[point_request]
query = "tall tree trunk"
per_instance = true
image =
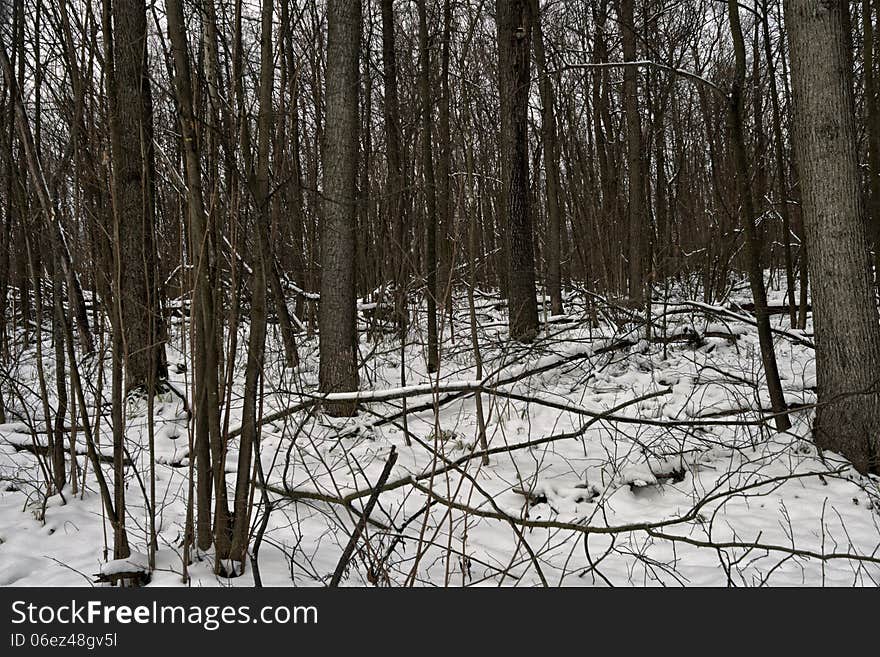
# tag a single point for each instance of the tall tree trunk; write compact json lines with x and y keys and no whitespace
{"x":445,"y":232}
{"x":514,"y":47}
{"x":259,"y":184}
{"x":636,"y":221}
{"x":429,"y":187}
{"x":549,"y":142}
{"x":209,"y":445}
{"x":844,"y":312}
{"x":872,"y":116}
{"x":396,"y":208}
{"x":338,"y":320}
{"x":781,"y":178}
{"x":135,"y":303}
{"x":735,"y":112}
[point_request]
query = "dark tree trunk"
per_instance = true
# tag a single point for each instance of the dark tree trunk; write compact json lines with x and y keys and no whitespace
{"x":396,"y":208}
{"x":844,"y":313}
{"x":636,"y":221}
{"x":429,"y":187}
{"x":59,"y":327}
{"x":781,"y":178}
{"x":135,"y":302}
{"x":549,"y":142}
{"x":514,"y":47}
{"x":445,"y":232}
{"x":337,"y":316}
{"x":209,"y":446}
{"x":735,"y":113}
{"x":261,"y":262}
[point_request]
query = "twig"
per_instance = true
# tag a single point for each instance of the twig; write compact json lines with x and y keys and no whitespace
{"x":362,"y":523}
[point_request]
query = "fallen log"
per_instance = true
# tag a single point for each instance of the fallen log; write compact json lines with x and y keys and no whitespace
{"x":771,"y":310}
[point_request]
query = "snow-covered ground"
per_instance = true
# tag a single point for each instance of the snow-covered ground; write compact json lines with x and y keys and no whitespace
{"x":683,"y":483}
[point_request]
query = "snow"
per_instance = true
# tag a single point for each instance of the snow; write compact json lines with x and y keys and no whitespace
{"x":136,"y":562}
{"x":688,"y":486}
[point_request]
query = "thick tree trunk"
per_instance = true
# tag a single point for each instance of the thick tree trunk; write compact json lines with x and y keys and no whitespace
{"x":135,"y":302}
{"x":514,"y":47}
{"x":844,"y":312}
{"x":338,"y":320}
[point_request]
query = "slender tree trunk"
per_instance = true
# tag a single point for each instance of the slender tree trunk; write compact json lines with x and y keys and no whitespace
{"x":445,"y":233}
{"x":781,"y":178}
{"x":735,"y":113}
{"x":59,"y":325}
{"x":636,"y":221}
{"x":549,"y":142}
{"x":259,"y":185}
{"x":430,"y":188}
{"x":209,"y":445}
{"x":395,"y":205}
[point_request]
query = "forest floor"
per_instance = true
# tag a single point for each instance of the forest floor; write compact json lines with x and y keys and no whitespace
{"x":617,"y":459}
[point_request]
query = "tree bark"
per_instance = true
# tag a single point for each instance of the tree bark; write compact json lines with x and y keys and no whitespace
{"x":781,"y":178}
{"x":135,"y":302}
{"x":429,"y":187}
{"x":396,"y":208}
{"x":259,"y":185}
{"x":514,"y":47}
{"x":209,"y":446}
{"x":549,"y":142}
{"x":337,"y":315}
{"x":844,"y":313}
{"x":735,"y":112}
{"x":636,"y":221}
{"x":872,"y":116}
{"x":445,"y":231}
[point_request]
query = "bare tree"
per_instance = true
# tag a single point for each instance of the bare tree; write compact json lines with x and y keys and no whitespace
{"x":209,"y":444}
{"x":845,"y":315}
{"x":735,"y":112}
{"x":514,"y":48}
{"x":549,"y":143}
{"x":136,"y":303}
{"x":635,"y":216}
{"x":337,"y":319}
{"x":259,"y":184}
{"x":430,"y":187}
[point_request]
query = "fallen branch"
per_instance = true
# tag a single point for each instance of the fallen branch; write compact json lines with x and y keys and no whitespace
{"x":450,"y":391}
{"x":718,"y":310}
{"x":347,"y":500}
{"x":362,"y":523}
